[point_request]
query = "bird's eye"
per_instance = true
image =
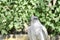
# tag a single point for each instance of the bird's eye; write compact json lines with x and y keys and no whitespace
{"x":35,"y":18}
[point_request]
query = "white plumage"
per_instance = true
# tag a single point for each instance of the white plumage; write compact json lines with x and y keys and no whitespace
{"x":36,"y":30}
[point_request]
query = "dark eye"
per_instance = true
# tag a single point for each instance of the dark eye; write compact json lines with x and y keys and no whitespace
{"x":35,"y":18}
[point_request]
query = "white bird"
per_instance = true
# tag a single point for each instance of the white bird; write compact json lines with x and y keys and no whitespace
{"x":36,"y":30}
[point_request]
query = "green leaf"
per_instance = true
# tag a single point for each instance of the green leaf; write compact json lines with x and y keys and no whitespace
{"x":59,"y":2}
{"x":4,"y":32}
{"x":11,"y":25}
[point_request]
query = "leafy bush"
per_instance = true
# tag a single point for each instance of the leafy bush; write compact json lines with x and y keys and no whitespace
{"x":15,"y":13}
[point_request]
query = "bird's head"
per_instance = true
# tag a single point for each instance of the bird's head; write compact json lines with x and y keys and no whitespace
{"x":34,"y":18}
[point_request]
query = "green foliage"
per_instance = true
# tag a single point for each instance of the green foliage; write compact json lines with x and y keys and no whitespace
{"x":14,"y":13}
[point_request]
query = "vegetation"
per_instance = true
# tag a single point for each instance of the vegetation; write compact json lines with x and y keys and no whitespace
{"x":15,"y":13}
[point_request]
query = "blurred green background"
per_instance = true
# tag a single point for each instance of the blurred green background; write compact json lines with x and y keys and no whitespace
{"x":15,"y":13}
